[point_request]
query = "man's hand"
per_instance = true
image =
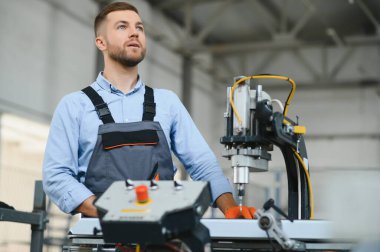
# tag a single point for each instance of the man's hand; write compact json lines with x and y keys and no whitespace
{"x":231,"y":210}
{"x":240,"y":213}
{"x":225,"y":201}
{"x":87,"y":207}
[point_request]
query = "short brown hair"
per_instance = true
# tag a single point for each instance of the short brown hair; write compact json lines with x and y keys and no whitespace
{"x":117,"y":6}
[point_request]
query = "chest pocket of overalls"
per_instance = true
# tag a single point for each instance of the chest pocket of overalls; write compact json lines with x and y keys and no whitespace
{"x":131,"y":153}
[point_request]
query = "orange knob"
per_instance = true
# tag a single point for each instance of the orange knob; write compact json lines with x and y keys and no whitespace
{"x":142,"y":195}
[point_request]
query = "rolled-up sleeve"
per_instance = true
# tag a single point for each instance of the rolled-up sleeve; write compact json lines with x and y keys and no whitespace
{"x":60,"y":165}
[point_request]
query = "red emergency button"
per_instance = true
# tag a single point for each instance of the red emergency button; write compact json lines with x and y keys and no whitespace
{"x":142,"y":195}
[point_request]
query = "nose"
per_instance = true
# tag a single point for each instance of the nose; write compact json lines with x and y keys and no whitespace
{"x":133,"y":33}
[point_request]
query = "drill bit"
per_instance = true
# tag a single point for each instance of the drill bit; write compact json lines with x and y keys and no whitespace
{"x":241,"y":203}
{"x":241,"y":193}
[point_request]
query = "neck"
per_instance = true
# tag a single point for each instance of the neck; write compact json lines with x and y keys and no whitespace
{"x":123,"y":78}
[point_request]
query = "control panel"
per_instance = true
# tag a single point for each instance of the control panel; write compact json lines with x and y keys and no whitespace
{"x":151,"y":212}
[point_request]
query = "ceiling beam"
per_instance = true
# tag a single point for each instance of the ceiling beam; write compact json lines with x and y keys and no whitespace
{"x":284,"y":16}
{"x":169,"y":4}
{"x":304,"y":19}
{"x":174,"y":4}
{"x":267,"y":18}
{"x":213,"y":20}
{"x":188,"y":20}
{"x":244,"y":47}
{"x":342,"y":62}
{"x":313,"y":72}
{"x":331,"y":32}
{"x":369,"y":14}
{"x":265,"y":63}
{"x":327,"y":85}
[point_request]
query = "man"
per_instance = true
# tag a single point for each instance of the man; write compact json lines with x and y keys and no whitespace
{"x":119,"y":128}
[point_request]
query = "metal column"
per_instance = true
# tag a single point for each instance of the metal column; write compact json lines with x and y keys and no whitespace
{"x":39,"y":207}
{"x":187,"y":90}
{"x":187,"y":81}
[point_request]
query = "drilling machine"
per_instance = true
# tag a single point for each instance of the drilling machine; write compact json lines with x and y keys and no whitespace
{"x":253,"y":128}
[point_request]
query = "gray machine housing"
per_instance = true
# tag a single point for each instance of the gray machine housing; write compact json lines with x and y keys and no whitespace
{"x":174,"y":211}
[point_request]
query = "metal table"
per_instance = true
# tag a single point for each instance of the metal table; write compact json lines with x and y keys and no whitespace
{"x":228,"y":235}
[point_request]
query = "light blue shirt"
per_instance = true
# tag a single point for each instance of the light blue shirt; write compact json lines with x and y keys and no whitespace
{"x":74,"y":129}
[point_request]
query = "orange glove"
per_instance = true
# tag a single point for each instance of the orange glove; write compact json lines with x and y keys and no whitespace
{"x":235,"y":213}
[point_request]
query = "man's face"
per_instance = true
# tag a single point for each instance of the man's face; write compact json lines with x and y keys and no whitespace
{"x":124,"y":36}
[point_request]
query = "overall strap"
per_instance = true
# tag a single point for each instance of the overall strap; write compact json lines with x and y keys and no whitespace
{"x":100,"y":106}
{"x":149,"y":105}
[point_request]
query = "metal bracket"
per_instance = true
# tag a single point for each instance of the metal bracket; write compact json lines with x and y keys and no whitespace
{"x":268,"y":223}
{"x":37,"y":219}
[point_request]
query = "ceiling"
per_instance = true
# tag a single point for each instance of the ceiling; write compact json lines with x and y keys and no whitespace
{"x":230,"y":29}
{"x":233,"y":22}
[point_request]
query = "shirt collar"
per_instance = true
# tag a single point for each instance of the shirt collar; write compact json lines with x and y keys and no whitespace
{"x":107,"y":85}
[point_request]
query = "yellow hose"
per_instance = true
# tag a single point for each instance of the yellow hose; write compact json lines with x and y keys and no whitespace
{"x":311,"y":196}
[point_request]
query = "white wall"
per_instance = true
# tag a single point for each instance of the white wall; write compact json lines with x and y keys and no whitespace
{"x":46,"y":51}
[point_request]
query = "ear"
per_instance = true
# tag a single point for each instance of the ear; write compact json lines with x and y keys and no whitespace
{"x":100,"y":43}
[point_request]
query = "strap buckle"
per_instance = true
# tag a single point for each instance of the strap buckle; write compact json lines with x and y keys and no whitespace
{"x":149,"y":107}
{"x":102,"y":110}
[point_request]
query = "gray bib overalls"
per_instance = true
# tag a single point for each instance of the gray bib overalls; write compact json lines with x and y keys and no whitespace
{"x":137,"y":151}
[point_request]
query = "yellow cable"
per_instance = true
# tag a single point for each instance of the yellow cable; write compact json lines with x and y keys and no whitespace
{"x":311,"y":196}
{"x":287,"y":103}
{"x":231,"y":95}
{"x":137,"y":247}
{"x":278,"y":77}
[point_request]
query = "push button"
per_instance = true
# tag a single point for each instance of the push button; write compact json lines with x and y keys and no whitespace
{"x":142,"y":195}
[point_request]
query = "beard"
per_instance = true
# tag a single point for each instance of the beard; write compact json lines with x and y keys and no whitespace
{"x":121,"y":56}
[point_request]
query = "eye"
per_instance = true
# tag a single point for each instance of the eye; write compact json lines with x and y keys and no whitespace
{"x":140,"y":28}
{"x":121,"y":27}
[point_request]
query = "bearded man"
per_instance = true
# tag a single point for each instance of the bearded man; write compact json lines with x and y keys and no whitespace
{"x":118,"y":128}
